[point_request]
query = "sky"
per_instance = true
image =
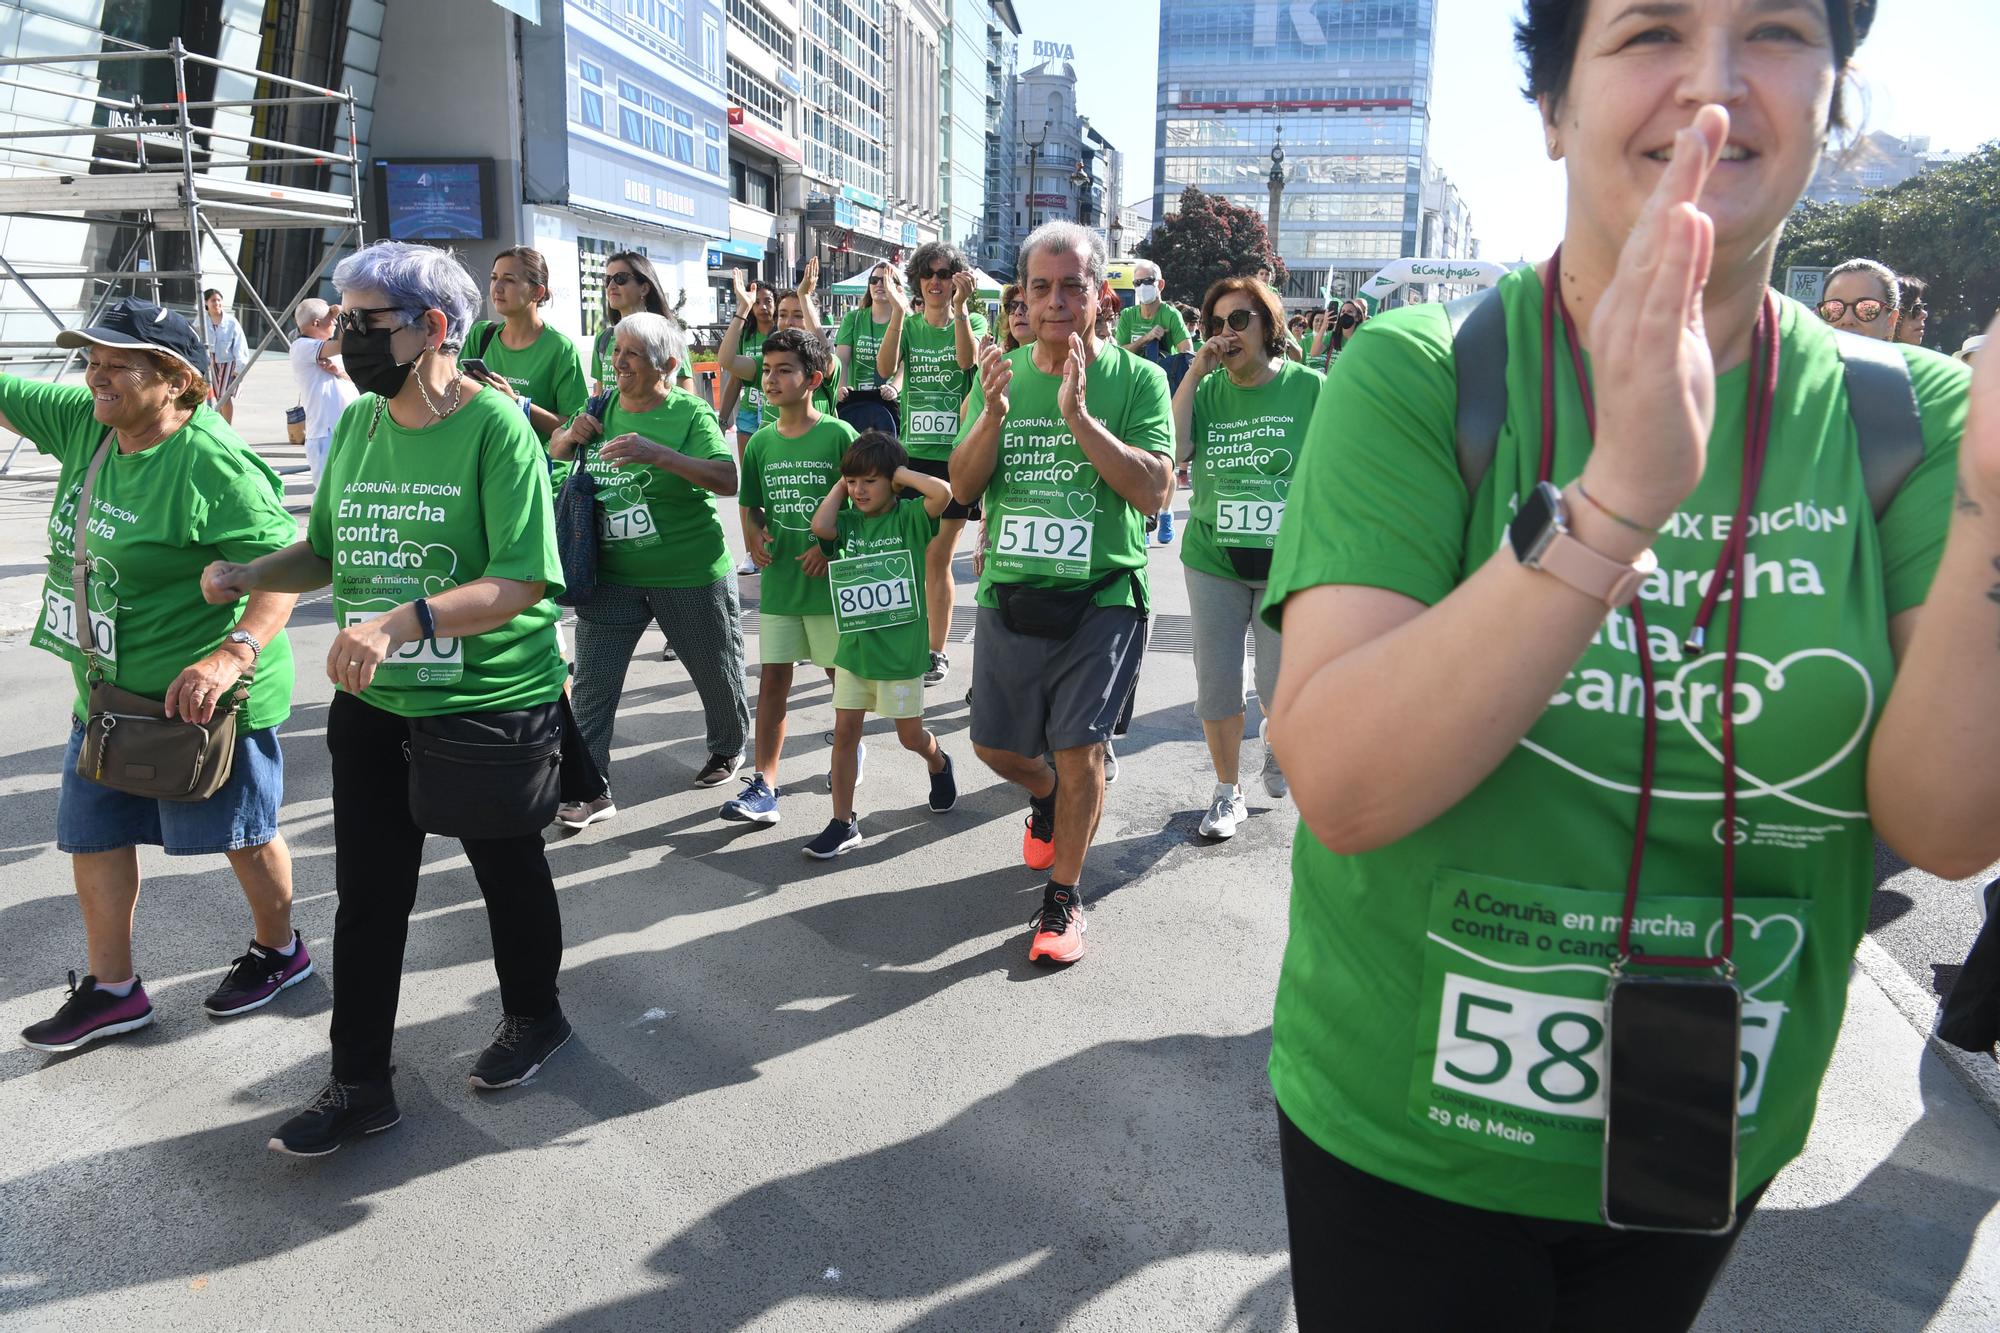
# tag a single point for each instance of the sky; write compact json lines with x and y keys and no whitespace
{"x":1927,"y":68}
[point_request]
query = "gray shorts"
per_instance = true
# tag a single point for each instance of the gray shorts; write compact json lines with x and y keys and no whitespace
{"x":1032,"y":696}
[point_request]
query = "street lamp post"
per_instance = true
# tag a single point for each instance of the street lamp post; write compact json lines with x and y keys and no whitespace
{"x":1079,"y":178}
{"x":1034,"y":157}
{"x":1276,"y":182}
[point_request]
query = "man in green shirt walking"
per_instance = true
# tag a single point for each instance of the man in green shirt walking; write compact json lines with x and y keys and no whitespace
{"x":1072,"y":450}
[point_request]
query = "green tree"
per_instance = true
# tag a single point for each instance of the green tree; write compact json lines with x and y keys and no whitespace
{"x":1942,"y":225}
{"x":1209,"y":238}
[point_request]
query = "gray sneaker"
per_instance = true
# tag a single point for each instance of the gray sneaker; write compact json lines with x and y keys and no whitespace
{"x":1224,"y":813}
{"x":582,"y":814}
{"x":1274,"y":777}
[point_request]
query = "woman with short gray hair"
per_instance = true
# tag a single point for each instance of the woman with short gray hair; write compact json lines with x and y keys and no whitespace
{"x":659,"y":461}
{"x":435,"y":527}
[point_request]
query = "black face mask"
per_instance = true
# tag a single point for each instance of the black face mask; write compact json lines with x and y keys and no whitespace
{"x":371,"y":365}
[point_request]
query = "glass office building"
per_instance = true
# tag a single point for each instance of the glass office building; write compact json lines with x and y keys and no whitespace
{"x":1346,"y":81}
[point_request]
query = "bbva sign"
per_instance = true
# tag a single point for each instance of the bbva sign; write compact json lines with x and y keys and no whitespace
{"x":1055,"y":51}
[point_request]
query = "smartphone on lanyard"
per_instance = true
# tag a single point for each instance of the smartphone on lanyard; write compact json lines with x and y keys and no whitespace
{"x":1673,"y":1062}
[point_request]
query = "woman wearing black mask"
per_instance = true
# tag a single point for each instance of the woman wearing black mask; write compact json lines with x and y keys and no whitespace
{"x":434,"y":525}
{"x":1353,"y":314}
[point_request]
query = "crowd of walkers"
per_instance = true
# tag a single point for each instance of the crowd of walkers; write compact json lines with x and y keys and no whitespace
{"x":1514,"y":565}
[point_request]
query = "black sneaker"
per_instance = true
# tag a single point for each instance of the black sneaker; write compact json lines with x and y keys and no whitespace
{"x":838,"y":837}
{"x":940,"y":668}
{"x":520,"y":1047}
{"x":338,"y":1112}
{"x":718,"y":770}
{"x":89,"y":1014}
{"x":944,"y":786}
{"x":256,"y":977}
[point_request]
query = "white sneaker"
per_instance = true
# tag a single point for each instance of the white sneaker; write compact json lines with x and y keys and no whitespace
{"x":582,"y":814}
{"x":1274,"y":777}
{"x":1224,"y":814}
{"x":860,"y":763}
{"x":1110,"y":764}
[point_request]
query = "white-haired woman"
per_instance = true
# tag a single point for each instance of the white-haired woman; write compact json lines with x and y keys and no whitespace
{"x":660,"y":461}
{"x":1862,"y":296}
{"x":435,"y":528}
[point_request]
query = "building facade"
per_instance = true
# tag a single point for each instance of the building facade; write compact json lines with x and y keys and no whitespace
{"x":1875,"y":161}
{"x":761,"y":55}
{"x":1347,"y":86}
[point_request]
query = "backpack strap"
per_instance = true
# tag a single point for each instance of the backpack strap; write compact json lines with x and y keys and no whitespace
{"x":1479,"y":355}
{"x":486,"y":337}
{"x":1888,"y":427}
{"x":79,"y":565}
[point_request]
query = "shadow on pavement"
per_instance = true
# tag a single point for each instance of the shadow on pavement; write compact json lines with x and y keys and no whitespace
{"x":1015,"y":1213}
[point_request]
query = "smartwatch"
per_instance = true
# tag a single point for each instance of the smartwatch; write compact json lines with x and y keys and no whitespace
{"x":1541,"y":540}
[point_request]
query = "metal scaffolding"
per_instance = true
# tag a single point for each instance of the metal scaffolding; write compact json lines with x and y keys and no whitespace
{"x":167,"y":185}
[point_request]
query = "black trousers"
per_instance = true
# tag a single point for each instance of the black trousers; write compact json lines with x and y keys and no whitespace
{"x":1368,"y":1255}
{"x":377,"y":853}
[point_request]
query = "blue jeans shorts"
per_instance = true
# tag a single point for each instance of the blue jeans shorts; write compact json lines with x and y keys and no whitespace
{"x":91,"y":817}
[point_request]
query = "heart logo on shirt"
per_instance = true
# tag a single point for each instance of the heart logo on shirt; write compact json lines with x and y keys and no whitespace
{"x":1275,"y":462}
{"x":434,"y":556}
{"x":1768,"y":684}
{"x":1754,"y":951}
{"x":1082,"y":504}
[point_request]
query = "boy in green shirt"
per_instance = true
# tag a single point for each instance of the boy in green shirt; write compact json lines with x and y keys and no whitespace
{"x":787,"y":467}
{"x":877,"y":581}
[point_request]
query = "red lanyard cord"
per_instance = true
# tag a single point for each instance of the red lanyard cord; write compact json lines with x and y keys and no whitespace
{"x":1756,"y":441}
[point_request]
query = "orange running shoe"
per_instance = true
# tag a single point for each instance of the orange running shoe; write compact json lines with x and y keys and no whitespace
{"x":1059,"y":928}
{"x":1038,"y":843}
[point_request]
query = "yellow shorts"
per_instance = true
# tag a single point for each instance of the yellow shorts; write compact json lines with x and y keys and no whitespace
{"x":884,"y":698}
{"x":783,"y":639}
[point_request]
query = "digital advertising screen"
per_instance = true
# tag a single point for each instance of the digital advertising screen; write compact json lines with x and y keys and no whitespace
{"x":435,"y":200}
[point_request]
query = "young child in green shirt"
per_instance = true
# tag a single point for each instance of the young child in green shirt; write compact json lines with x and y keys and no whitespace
{"x":876,"y":576}
{"x":787,"y":467}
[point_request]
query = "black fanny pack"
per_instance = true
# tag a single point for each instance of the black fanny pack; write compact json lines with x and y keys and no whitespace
{"x":486,"y":775}
{"x":1054,"y":613}
{"x":1252,"y":563}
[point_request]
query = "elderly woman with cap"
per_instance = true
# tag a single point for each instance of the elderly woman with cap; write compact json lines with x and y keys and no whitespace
{"x":170,"y":487}
{"x":435,"y":527}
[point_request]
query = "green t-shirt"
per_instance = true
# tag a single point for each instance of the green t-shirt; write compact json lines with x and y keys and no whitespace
{"x":411,"y":513}
{"x":548,"y":370}
{"x":901,"y":536}
{"x":1052,"y":521}
{"x":158,"y":517}
{"x":824,"y":397}
{"x":1132,"y":323}
{"x":1439,"y":1016}
{"x":933,"y":385}
{"x":787,"y":479}
{"x":750,"y":398}
{"x":1246,"y":444}
{"x":657,"y":530}
{"x":859,"y":330}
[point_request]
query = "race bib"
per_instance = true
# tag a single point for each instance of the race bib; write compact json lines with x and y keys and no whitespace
{"x":934,"y":424}
{"x":1041,"y":544}
{"x":872,"y":591}
{"x":1510,"y":1036}
{"x":1249,"y":511}
{"x":57,"y":630}
{"x":438,"y":661}
{"x":632,"y":526}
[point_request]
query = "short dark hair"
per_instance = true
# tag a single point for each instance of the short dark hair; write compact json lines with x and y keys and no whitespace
{"x":1914,"y":290}
{"x":208,"y":292}
{"x":1547,"y":33}
{"x":932,"y":252}
{"x":811,"y":350}
{"x":642,"y":269}
{"x":1262,"y":299}
{"x":874,"y":453}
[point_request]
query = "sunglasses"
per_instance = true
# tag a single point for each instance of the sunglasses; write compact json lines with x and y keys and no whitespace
{"x":1867,"y":310}
{"x":875,"y":281}
{"x":1017,"y":307}
{"x":354,"y":318}
{"x":620,"y":279}
{"x":939,"y":275}
{"x":1238,"y":321}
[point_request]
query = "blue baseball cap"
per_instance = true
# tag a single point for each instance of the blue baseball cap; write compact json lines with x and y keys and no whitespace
{"x":141,"y":324}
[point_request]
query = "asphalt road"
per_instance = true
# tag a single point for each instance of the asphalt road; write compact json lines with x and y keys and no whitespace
{"x":804,"y":1095}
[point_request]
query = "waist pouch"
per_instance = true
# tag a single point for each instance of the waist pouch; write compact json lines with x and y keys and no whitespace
{"x":1252,"y":564}
{"x":131,"y":745}
{"x":1054,"y":613}
{"x":486,"y":775}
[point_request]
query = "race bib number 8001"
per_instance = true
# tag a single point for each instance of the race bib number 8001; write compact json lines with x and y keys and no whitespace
{"x":872,"y":591}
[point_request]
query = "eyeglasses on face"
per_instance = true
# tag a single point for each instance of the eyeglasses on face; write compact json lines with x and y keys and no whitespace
{"x":355,"y":318}
{"x":620,"y":278}
{"x":1237,"y":320}
{"x":1017,"y":307}
{"x":939,"y":274}
{"x":1867,"y":310}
